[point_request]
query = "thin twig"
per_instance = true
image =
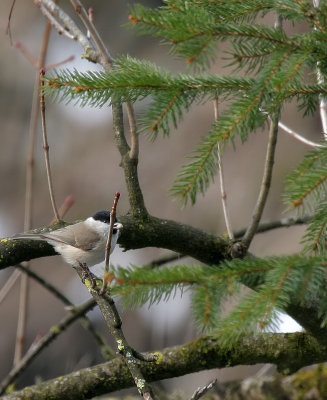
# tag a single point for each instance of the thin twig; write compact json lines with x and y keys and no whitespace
{"x":8,"y":30}
{"x":32,"y":60}
{"x":60,"y":28}
{"x":8,"y":285}
{"x":101,"y":55}
{"x":54,"y":331}
{"x":60,"y":19}
{"x":66,"y":205}
{"x":58,"y":64}
{"x":84,"y":16}
{"x":202,"y":391}
{"x":321,"y":81}
{"x":90,"y":14}
{"x":85,"y":322}
{"x":108,"y":245}
{"x":24,"y":284}
{"x":165,"y":260}
{"x":131,"y":356}
{"x":46,"y":151}
{"x":134,"y":151}
{"x":266,"y":181}
{"x":282,"y":223}
{"x":298,"y":136}
{"x":222,"y":181}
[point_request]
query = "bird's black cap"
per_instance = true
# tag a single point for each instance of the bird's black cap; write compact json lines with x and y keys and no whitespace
{"x":103,"y":216}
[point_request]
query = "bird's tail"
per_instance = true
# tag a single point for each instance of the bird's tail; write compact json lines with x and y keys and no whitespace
{"x":28,"y":236}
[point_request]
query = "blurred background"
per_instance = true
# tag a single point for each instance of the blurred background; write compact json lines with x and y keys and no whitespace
{"x":85,"y":164}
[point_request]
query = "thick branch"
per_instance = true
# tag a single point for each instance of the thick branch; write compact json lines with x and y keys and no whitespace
{"x":129,"y":164}
{"x":288,"y":351}
{"x":137,"y":233}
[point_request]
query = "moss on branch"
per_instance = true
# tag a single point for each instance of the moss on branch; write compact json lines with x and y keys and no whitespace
{"x":288,"y":351}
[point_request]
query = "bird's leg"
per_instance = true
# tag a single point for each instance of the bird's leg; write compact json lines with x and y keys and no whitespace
{"x":87,"y":274}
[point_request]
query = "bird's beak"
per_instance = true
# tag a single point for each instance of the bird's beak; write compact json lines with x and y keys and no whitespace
{"x":118,"y":225}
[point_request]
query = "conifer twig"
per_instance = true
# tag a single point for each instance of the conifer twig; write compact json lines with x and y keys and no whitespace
{"x":266,"y":181}
{"x":222,"y":180}
{"x":46,"y":151}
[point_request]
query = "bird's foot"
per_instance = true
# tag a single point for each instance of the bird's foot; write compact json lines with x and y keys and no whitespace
{"x":88,"y":278}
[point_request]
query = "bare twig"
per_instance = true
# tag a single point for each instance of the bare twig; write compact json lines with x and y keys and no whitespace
{"x":65,"y":25}
{"x":321,"y":81}
{"x":297,"y":136}
{"x":90,"y":14}
{"x":68,"y":202}
{"x":131,"y":356}
{"x":54,"y":331}
{"x":6,"y":288}
{"x":58,"y":64}
{"x":46,"y":151}
{"x":165,"y":260}
{"x":202,"y":391}
{"x":136,"y":200}
{"x":222,"y":181}
{"x":24,"y":284}
{"x":282,"y":223}
{"x":8,"y":30}
{"x":84,"y":16}
{"x":265,"y":185}
{"x":108,"y":245}
{"x":19,"y":46}
{"x":85,"y":322}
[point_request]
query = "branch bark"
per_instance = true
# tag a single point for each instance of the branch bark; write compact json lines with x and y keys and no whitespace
{"x":137,"y":233}
{"x":288,"y":351}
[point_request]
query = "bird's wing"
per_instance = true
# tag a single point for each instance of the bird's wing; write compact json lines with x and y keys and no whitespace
{"x":68,"y":235}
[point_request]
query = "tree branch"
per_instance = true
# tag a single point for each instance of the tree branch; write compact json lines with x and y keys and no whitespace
{"x":288,"y":351}
{"x":265,"y":185}
{"x":152,"y":232}
{"x":54,"y":331}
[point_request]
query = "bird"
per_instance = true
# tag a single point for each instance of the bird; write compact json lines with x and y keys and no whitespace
{"x":81,"y":244}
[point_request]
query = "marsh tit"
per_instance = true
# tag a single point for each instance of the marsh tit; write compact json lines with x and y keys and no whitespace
{"x":83,"y":242}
